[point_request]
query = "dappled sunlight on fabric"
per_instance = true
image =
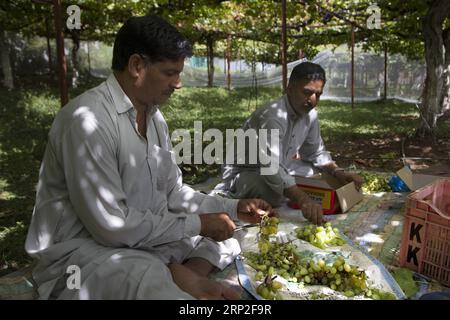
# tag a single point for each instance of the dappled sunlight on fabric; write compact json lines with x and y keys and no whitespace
{"x":371,"y":238}
{"x":378,"y":194}
{"x":58,"y":205}
{"x":132,"y":160}
{"x":84,"y":293}
{"x":158,"y":157}
{"x":190,"y":207}
{"x":44,"y":240}
{"x":188,"y":196}
{"x":193,"y":207}
{"x":90,"y":123}
{"x":83,"y":183}
{"x":93,"y":176}
{"x":107,"y":195}
{"x":395,"y":223}
{"x":116,"y":258}
{"x":281,"y":114}
{"x":39,"y":184}
{"x":112,"y":221}
{"x":98,"y":152}
{"x":81,"y":152}
{"x":89,"y":165}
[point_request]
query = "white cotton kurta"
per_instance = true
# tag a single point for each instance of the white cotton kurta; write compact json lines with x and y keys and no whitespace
{"x":300,"y":149}
{"x":114,"y":205}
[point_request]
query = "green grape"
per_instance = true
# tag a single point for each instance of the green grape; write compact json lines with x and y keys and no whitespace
{"x":320,"y":236}
{"x":378,"y":294}
{"x":276,"y":285}
{"x":269,"y":289}
{"x":303,"y":271}
{"x":268,"y":226}
{"x":349,"y":293}
{"x":282,"y":259}
{"x":259,"y":276}
{"x":321,"y":263}
{"x":347,"y":267}
{"x":374,"y":182}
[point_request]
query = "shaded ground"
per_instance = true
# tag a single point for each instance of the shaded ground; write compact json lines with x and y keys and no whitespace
{"x":385,"y":154}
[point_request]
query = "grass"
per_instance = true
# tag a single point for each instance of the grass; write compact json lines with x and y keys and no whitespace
{"x":27,"y":114}
{"x":375,"y":119}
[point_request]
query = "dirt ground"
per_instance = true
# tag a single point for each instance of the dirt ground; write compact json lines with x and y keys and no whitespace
{"x":386,"y":154}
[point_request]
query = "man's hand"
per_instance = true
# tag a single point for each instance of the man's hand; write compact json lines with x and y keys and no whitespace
{"x":346,"y":177}
{"x":252,"y":210}
{"x":217,"y":226}
{"x":312,"y":211}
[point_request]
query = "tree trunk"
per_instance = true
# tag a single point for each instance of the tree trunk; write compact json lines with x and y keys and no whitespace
{"x":210,"y":59}
{"x":6,"y":61}
{"x":49,"y":49}
{"x":283,"y":44}
{"x":446,"y":96}
{"x":228,"y":62}
{"x":89,"y":57}
{"x":76,"y":47}
{"x":433,"y":92}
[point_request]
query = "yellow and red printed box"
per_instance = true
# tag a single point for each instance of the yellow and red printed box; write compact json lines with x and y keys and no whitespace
{"x":325,"y":189}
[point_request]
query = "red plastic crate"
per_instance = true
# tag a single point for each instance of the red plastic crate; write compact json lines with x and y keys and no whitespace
{"x":425,"y":246}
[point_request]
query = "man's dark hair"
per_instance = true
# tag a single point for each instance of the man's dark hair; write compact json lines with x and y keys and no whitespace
{"x":307,"y":71}
{"x":150,"y":36}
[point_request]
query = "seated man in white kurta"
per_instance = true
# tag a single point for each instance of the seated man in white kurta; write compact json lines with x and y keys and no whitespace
{"x":110,"y":198}
{"x":300,"y":149}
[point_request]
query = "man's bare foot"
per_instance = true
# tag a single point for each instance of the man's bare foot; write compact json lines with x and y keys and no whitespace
{"x":200,"y":287}
{"x":200,"y":266}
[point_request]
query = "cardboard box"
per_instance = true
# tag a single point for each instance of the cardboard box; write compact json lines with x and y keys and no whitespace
{"x":326,"y":189}
{"x":415,"y":180}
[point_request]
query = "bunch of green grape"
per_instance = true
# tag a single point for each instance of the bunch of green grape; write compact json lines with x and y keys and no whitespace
{"x":374,"y":182}
{"x":377,"y":294}
{"x":332,"y":271}
{"x":320,"y":236}
{"x":269,"y":289}
{"x":275,"y":258}
{"x":305,"y":268}
{"x":268,"y":226}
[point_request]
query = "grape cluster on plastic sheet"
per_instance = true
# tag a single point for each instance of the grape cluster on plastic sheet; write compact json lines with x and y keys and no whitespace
{"x":320,"y":236}
{"x":374,"y":182}
{"x":305,"y":268}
